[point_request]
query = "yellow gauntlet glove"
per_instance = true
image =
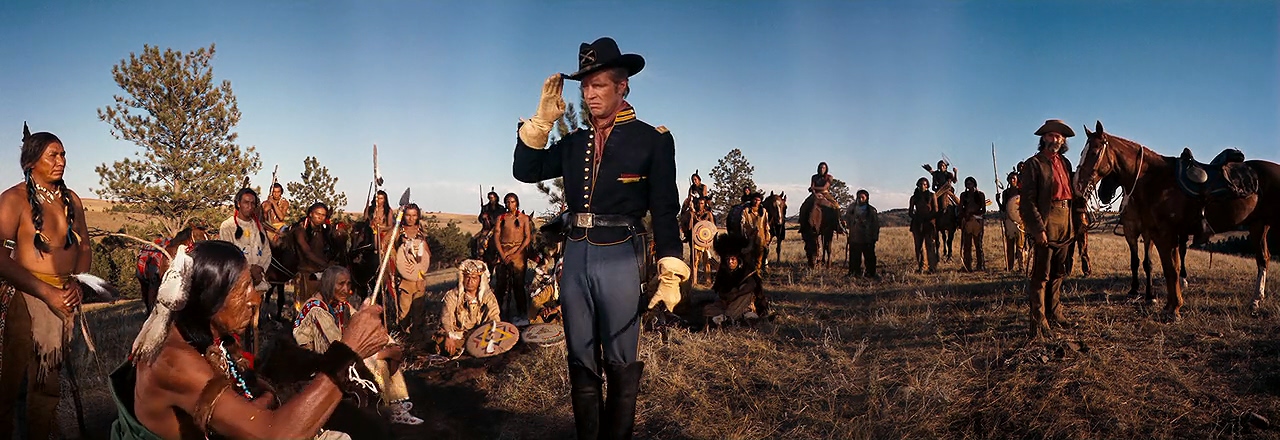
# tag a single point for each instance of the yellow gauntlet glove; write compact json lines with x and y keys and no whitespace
{"x":671,"y":272}
{"x":534,"y":131}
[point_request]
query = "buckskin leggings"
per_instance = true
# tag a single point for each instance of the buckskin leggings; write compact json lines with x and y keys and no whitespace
{"x":600,"y":298}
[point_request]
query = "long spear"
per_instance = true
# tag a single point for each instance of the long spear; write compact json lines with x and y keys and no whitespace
{"x":386,"y":255}
{"x":999,"y":197}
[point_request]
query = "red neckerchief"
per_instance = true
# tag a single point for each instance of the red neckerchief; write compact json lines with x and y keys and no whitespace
{"x":603,"y":131}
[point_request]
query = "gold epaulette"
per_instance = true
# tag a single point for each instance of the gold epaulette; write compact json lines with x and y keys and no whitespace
{"x":662,"y":129}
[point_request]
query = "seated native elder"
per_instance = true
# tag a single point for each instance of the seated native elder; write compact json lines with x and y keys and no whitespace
{"x":320,"y":323}
{"x":189,"y":377}
{"x":466,"y":307}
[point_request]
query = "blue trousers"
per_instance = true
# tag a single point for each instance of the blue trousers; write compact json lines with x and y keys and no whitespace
{"x":600,"y":296}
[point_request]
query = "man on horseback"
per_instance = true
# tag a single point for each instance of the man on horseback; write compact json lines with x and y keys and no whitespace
{"x":820,"y":186}
{"x":483,"y":248}
{"x":973,"y":207}
{"x":275,"y":211}
{"x":923,"y":210}
{"x":413,"y":261}
{"x":944,"y":181}
{"x":1047,"y":195}
{"x":627,"y":169}
{"x":245,"y":230}
{"x":381,"y":218}
{"x":864,"y":232}
{"x":314,"y":237}
{"x":515,"y":234}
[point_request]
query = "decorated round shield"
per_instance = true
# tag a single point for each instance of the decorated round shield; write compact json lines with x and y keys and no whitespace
{"x":703,"y":233}
{"x":544,"y":335}
{"x":492,"y":339}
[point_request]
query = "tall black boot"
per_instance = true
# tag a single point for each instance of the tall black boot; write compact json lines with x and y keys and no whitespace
{"x":620,"y":408}
{"x":587,"y":401}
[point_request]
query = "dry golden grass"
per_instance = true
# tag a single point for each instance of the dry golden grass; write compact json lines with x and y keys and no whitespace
{"x":911,"y":356}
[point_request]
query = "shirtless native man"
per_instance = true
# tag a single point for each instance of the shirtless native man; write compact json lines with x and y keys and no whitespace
{"x":42,"y":224}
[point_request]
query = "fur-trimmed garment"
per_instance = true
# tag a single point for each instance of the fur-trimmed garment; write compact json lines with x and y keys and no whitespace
{"x":460,"y":315}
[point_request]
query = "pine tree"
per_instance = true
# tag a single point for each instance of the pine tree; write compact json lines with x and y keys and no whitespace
{"x":316,"y":186}
{"x":190,"y":165}
{"x":730,"y":175}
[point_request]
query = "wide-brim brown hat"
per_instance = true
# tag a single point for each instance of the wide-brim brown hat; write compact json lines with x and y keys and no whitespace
{"x":603,"y":54}
{"x":1055,"y":126}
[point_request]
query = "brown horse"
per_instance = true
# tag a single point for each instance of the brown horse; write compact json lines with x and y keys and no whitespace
{"x":1131,"y":225}
{"x":817,"y":228}
{"x":1165,"y":213}
{"x":776,"y":207}
{"x":948,"y":220}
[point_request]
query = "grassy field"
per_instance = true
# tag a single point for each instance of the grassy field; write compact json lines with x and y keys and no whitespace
{"x":910,"y":356}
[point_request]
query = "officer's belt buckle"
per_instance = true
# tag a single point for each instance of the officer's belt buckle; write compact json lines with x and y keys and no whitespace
{"x":585,"y":220}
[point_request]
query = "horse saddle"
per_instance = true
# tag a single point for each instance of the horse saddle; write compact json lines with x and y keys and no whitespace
{"x":1225,"y":177}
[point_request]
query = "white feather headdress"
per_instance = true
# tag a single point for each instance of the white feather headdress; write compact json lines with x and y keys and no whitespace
{"x":172,"y":297}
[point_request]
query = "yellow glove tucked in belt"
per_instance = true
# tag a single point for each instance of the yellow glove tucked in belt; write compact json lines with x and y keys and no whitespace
{"x":671,"y":272}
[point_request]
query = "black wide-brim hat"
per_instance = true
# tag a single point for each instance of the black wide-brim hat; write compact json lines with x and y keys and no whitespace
{"x":752,"y":195}
{"x":730,"y":244}
{"x":1055,"y":126}
{"x":603,"y":54}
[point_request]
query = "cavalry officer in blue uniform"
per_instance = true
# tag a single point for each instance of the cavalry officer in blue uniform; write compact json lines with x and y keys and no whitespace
{"x":615,"y":171}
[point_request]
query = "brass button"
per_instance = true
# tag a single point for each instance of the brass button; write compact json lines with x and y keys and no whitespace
{"x":584,"y":196}
{"x":586,"y":170}
{"x":586,"y":205}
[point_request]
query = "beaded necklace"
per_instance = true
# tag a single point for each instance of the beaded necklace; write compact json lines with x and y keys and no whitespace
{"x":223,"y":360}
{"x":46,"y":195}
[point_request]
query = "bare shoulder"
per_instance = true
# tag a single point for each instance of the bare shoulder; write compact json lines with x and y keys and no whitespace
{"x":179,"y":371}
{"x":15,"y":194}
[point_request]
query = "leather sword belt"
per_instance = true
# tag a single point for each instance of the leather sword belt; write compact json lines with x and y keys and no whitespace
{"x":587,"y":220}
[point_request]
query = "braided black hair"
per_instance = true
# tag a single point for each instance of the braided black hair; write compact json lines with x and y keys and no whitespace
{"x":34,"y":146}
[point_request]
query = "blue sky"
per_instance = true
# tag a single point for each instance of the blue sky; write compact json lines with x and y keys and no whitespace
{"x":874,"y":88}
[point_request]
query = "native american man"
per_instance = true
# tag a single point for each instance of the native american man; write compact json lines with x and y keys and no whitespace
{"x":923,"y":210}
{"x":381,"y":218}
{"x":189,"y":377}
{"x":314,"y":236}
{"x":701,"y":212}
{"x":864,"y":232}
{"x":485,"y":248}
{"x":275,"y":211}
{"x":320,"y":323}
{"x":973,"y":209}
{"x":514,"y":234}
{"x":148,"y":273}
{"x":413,"y":261}
{"x":466,"y":307}
{"x":1014,"y":238}
{"x":947,"y":178}
{"x":626,"y":168}
{"x":245,"y":230}
{"x":820,"y":186}
{"x":42,"y":225}
{"x":738,"y":286}
{"x":1046,"y":195}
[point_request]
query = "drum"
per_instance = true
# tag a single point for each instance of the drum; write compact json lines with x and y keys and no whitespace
{"x":704,"y":232}
{"x":492,"y":339}
{"x":544,"y":335}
